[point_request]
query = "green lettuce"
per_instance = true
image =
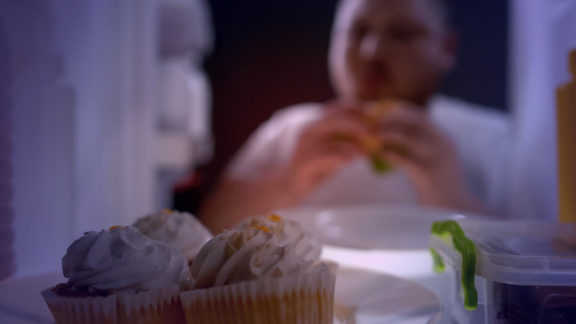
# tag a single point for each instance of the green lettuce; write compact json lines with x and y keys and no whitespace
{"x":452,"y":234}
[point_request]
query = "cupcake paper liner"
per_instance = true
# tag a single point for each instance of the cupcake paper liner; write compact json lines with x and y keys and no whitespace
{"x":158,"y":305}
{"x":304,"y":298}
{"x":89,"y":310}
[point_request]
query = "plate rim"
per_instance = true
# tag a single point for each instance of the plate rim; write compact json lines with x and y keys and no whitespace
{"x":434,"y":318}
{"x":310,"y":223}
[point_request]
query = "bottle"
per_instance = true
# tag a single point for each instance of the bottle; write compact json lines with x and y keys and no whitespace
{"x":566,"y":141}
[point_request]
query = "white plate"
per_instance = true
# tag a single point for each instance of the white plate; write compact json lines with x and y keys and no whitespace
{"x":371,"y":226}
{"x":364,"y":297}
{"x":21,"y":302}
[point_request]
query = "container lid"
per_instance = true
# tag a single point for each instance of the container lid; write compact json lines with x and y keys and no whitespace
{"x":521,"y":253}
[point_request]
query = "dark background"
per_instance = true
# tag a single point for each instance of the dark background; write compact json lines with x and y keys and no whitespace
{"x":270,"y":54}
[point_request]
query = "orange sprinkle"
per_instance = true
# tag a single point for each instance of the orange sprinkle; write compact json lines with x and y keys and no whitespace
{"x":274,"y":218}
{"x":166,"y":211}
{"x":262,"y":228}
{"x":115,"y":227}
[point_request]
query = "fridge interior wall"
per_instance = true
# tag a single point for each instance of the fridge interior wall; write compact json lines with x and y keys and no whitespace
{"x":84,"y":97}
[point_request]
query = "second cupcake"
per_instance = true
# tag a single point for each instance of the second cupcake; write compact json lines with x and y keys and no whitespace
{"x":253,"y":274}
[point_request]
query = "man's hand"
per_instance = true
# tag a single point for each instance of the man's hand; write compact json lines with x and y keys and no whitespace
{"x":326,"y":145}
{"x":412,"y":143}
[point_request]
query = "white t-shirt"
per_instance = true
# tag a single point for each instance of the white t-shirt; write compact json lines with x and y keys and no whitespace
{"x":480,"y":135}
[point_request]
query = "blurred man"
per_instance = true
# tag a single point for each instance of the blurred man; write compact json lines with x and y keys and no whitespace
{"x":386,"y":60}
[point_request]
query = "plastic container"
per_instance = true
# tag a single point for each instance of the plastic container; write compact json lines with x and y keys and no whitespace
{"x":525,"y":272}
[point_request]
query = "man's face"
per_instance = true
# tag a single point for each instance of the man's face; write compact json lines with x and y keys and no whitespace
{"x":389,"y":49}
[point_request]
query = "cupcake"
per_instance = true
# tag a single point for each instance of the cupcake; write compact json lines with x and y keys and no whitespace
{"x":251,"y":274}
{"x":307,"y":246}
{"x":181,"y":230}
{"x":119,"y":276}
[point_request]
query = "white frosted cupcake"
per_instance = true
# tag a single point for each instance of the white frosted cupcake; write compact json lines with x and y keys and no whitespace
{"x":179,"y":229}
{"x":119,"y":276}
{"x":287,"y":232}
{"x":251,"y":275}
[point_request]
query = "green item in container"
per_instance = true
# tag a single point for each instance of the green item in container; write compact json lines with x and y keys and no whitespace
{"x":438,"y":263}
{"x":452,"y":234}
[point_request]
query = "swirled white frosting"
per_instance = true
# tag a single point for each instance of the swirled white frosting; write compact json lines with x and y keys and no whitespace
{"x":122,"y":258}
{"x":287,"y":231}
{"x":245,"y":254}
{"x":179,"y":229}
